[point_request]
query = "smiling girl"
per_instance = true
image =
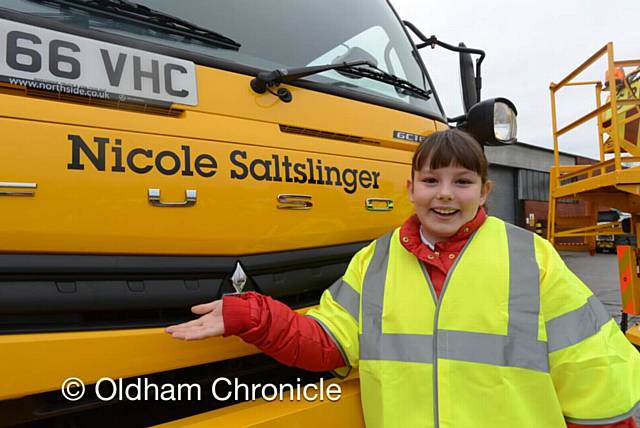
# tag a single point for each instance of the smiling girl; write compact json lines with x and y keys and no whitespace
{"x":455,"y":319}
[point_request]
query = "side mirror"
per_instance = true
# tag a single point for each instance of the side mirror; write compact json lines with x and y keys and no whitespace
{"x":467,"y":80}
{"x":492,"y":122}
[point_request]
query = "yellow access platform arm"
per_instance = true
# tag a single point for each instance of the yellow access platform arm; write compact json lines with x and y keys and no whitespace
{"x":613,"y":181}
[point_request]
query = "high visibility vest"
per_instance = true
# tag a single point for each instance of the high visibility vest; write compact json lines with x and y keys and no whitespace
{"x":516,"y":339}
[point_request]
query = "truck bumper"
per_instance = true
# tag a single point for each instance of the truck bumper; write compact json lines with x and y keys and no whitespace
{"x":345,"y":412}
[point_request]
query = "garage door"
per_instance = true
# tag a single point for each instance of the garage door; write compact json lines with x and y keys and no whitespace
{"x":502,"y":200}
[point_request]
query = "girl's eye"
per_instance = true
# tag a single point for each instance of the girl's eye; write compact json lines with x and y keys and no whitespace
{"x":429,"y":180}
{"x":464,"y":181}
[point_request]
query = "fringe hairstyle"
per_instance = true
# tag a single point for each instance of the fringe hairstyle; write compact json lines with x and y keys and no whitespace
{"x":451,"y":147}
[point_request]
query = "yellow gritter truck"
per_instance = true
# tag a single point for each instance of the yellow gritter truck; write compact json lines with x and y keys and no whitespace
{"x":150,"y":150}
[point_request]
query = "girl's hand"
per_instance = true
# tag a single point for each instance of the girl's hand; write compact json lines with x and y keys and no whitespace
{"x":210,"y":324}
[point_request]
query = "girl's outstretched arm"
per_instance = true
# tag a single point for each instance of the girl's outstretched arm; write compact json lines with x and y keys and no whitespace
{"x":271,"y":326}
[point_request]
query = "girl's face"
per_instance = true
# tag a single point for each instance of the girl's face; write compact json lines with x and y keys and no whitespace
{"x":445,"y":199}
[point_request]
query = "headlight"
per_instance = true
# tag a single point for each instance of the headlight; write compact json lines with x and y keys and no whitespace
{"x":492,"y":122}
{"x":505,"y":126}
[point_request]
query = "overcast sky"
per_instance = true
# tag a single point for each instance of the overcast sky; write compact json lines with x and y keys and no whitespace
{"x":528,"y":45}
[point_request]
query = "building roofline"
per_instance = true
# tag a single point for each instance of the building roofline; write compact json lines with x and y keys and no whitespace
{"x":520,"y":143}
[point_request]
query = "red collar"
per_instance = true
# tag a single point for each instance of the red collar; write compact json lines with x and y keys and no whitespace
{"x":410,"y":235}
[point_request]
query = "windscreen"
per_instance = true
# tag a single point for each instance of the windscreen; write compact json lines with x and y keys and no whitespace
{"x":273,"y":34}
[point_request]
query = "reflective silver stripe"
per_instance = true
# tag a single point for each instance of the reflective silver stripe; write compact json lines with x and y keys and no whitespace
{"x":494,"y":349}
{"x":524,"y":285}
{"x":423,"y":268}
{"x":373,"y":288}
{"x":605,"y":421}
{"x":577,"y":325}
{"x":338,"y":344}
{"x":414,"y":348}
{"x":344,"y":295}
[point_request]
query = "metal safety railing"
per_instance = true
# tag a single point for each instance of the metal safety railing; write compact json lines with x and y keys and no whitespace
{"x":614,"y":181}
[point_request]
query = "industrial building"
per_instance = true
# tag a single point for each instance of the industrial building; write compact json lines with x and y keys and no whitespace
{"x":521,"y":184}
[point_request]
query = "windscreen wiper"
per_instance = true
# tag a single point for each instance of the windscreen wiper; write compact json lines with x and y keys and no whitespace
{"x":160,"y":20}
{"x":267,"y":79}
{"x":382,"y":76}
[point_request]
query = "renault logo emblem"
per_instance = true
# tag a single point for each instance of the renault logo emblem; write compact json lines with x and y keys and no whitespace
{"x":239,"y":278}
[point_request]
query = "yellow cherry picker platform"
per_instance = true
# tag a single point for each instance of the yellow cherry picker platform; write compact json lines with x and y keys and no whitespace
{"x":611,"y":183}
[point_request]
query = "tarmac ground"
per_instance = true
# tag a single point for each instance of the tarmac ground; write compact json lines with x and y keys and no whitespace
{"x":600,"y":274}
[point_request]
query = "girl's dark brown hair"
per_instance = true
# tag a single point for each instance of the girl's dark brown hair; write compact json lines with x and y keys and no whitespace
{"x":451,"y":147}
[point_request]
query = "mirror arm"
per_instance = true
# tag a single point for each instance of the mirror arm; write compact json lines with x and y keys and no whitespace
{"x":458,"y":119}
{"x":433,"y":41}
